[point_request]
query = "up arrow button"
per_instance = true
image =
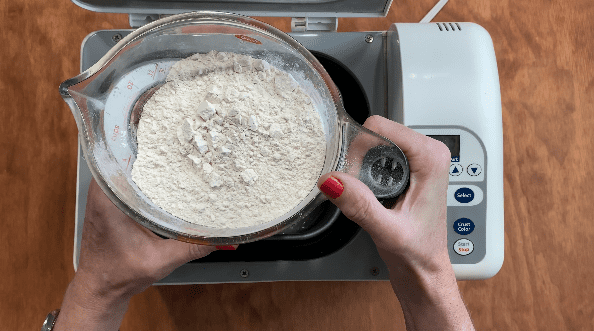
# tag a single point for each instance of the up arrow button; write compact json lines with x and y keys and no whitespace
{"x":456,"y":169}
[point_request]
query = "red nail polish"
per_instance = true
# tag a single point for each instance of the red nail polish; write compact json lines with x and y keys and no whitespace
{"x":225,"y":248}
{"x":332,"y":187}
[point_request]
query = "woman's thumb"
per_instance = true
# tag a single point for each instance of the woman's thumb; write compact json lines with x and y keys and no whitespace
{"x":353,"y":198}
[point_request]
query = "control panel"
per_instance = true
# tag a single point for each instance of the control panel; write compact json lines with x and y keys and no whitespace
{"x":467,"y":193}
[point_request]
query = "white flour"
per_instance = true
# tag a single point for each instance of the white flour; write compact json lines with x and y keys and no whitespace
{"x":228,"y":141}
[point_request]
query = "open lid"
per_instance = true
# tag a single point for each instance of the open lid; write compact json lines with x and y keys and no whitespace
{"x":276,"y":8}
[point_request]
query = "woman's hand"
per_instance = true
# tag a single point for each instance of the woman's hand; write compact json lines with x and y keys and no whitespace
{"x":413,"y":232}
{"x":123,"y":257}
{"x":411,"y":237}
{"x":118,"y":259}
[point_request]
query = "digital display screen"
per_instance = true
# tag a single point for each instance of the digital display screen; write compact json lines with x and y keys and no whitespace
{"x":453,"y":143}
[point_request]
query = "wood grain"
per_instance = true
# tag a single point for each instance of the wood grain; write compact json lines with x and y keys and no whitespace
{"x":545,"y":53}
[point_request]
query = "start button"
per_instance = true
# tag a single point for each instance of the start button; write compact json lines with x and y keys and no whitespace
{"x":463,"y":247}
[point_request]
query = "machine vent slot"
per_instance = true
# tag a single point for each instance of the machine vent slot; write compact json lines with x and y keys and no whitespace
{"x":449,"y":26}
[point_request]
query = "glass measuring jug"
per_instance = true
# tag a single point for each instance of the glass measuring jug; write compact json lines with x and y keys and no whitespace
{"x":106,"y":101}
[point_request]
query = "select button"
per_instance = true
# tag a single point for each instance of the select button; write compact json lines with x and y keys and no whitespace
{"x":464,"y":195}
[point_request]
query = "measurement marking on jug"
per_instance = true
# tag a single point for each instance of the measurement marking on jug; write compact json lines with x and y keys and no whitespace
{"x":152,"y":73}
{"x":248,"y":39}
{"x":116,"y":130}
{"x":120,"y":105}
{"x":128,"y":159}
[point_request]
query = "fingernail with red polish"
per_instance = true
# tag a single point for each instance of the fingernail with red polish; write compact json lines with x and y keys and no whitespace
{"x":332,"y":187}
{"x":225,"y":248}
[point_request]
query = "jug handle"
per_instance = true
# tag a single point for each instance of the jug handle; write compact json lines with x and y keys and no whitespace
{"x":373,"y":159}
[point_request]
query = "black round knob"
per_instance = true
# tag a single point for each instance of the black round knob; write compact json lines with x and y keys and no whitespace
{"x":385,"y":171}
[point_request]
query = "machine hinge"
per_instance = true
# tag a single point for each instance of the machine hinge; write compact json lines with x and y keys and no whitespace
{"x":138,"y":20}
{"x":298,"y":24}
{"x":322,"y":24}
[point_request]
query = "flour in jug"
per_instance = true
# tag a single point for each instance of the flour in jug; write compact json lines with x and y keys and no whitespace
{"x":228,"y":141}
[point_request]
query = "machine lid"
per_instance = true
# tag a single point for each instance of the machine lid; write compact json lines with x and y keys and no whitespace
{"x":276,"y":8}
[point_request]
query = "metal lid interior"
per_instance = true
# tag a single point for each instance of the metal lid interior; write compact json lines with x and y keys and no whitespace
{"x":276,"y":8}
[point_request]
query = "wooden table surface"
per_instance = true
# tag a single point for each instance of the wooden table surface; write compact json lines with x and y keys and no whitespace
{"x":545,"y":56}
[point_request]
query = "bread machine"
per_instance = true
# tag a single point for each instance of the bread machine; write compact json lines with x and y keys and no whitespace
{"x":439,"y":79}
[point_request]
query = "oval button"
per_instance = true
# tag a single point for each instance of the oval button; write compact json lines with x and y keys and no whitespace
{"x":463,"y":247}
{"x":464,"y":195}
{"x":463,"y":226}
